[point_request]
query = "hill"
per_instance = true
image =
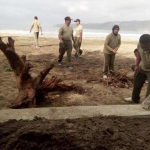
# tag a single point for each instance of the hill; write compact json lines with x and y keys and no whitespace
{"x":124,"y":25}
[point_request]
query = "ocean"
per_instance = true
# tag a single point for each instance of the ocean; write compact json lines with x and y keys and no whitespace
{"x":53,"y":32}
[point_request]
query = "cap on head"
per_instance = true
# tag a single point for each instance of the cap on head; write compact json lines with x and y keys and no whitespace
{"x":77,"y":20}
{"x":36,"y":17}
{"x":145,"y":39}
{"x":68,"y":18}
{"x":115,"y":27}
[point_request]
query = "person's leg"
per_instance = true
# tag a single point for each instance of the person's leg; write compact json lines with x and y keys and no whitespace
{"x":111,"y":64}
{"x":106,"y":63}
{"x":62,"y":49}
{"x":76,"y":47}
{"x":139,"y":80}
{"x":36,"y":38}
{"x":69,"y":50}
{"x":37,"y":35}
{"x":80,"y":51}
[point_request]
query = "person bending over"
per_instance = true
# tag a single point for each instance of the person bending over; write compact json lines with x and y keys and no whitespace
{"x":142,"y":69}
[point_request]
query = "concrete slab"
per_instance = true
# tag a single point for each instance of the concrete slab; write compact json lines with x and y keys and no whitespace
{"x":55,"y":113}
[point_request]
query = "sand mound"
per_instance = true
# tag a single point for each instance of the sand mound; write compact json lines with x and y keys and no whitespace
{"x":103,"y":133}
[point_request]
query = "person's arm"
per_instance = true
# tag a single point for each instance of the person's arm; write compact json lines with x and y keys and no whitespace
{"x":60,"y":35}
{"x":80,"y":40}
{"x":31,"y":28}
{"x":106,"y":44}
{"x":60,"y":38}
{"x":73,"y":39}
{"x":118,"y":43}
{"x":41,"y":30}
{"x":80,"y":32}
{"x":137,"y":62}
{"x":39,"y":24}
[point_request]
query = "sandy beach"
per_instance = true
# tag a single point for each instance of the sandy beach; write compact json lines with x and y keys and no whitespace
{"x":88,"y":66}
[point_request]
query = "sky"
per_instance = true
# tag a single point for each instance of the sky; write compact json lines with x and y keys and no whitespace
{"x":51,"y":12}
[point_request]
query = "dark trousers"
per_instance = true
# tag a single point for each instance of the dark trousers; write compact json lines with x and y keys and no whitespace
{"x":63,"y":47}
{"x":108,"y":63}
{"x":139,"y":80}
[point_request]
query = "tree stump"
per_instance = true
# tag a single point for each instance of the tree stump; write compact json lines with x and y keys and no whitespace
{"x":28,"y":86}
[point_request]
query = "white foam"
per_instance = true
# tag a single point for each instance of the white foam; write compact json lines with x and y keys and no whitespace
{"x":21,"y":32}
{"x":88,"y":33}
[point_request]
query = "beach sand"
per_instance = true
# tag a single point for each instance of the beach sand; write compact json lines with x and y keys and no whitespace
{"x":88,"y":66}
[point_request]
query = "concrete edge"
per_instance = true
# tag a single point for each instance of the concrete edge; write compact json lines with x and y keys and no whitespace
{"x":74,"y":112}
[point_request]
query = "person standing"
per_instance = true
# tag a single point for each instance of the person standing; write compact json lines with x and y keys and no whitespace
{"x":141,"y":69}
{"x":111,"y":46}
{"x":66,"y":37}
{"x":78,"y":38}
{"x":36,"y":26}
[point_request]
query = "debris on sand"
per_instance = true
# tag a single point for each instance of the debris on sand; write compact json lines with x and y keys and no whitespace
{"x":118,"y":79}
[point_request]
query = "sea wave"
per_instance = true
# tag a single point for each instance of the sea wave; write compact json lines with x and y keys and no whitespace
{"x":24,"y":32}
{"x":87,"y":33}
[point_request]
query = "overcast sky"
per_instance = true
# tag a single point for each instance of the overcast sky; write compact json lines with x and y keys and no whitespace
{"x":52,"y":12}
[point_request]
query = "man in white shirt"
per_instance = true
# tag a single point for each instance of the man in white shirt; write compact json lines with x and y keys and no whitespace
{"x":78,"y":38}
{"x":36,"y":26}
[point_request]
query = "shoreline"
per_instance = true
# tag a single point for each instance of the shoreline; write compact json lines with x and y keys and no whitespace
{"x":4,"y":35}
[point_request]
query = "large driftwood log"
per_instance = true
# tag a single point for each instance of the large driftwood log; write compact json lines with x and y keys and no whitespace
{"x":28,"y":86}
